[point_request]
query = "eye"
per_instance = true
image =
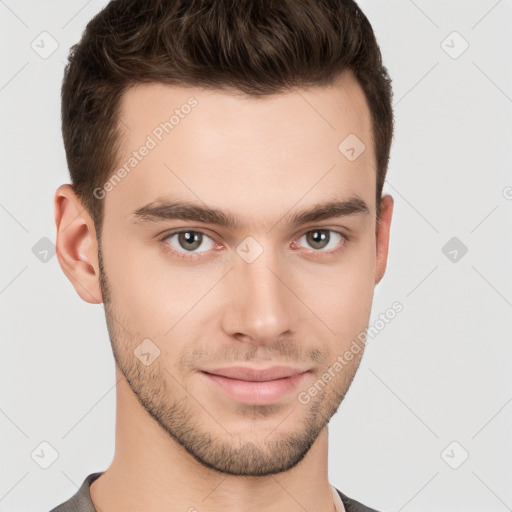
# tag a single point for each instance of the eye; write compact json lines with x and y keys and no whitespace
{"x":322,"y":240}
{"x":187,"y":241}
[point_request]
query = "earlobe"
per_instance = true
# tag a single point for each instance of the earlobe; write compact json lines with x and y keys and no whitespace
{"x":382,"y":235}
{"x":76,"y":245}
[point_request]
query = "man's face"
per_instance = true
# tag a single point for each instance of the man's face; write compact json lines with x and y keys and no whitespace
{"x":267,"y":292}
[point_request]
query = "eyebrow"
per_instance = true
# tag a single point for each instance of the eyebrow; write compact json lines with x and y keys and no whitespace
{"x":163,"y":210}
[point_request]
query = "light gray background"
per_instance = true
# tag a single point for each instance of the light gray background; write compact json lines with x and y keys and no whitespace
{"x":439,"y":372}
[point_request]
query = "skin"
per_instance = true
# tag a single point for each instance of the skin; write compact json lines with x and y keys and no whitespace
{"x":177,"y":435}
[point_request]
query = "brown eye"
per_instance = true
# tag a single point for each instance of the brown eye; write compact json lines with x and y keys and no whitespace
{"x":322,"y":239}
{"x":189,"y":241}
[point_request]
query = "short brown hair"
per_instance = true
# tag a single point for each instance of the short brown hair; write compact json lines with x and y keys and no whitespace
{"x":258,"y":47}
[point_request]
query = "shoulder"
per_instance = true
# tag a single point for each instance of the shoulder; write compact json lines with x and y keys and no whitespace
{"x":353,"y":505}
{"x":81,"y":501}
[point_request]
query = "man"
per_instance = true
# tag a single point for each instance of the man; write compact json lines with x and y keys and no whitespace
{"x":227,"y":161}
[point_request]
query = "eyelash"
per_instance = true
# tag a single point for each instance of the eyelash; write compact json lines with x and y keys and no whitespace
{"x":193,"y":255}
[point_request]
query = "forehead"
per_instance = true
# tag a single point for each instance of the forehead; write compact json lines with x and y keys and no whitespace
{"x":254,"y":152}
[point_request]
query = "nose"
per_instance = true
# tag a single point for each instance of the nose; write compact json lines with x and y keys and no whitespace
{"x":261,"y":307}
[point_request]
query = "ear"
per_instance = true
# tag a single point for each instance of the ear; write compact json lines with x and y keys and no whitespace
{"x":382,"y":235}
{"x":76,"y":245}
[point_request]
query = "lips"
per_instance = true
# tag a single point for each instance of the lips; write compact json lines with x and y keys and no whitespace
{"x":256,"y":375}
{"x":255,"y":386}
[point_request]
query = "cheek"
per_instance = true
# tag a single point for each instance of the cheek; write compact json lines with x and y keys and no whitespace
{"x":153,"y":295}
{"x":341,"y":294}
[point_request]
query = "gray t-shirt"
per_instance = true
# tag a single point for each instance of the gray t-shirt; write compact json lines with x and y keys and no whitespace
{"x":81,"y":501}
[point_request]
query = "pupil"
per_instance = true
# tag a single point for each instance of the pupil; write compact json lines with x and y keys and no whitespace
{"x":319,"y":238}
{"x":193,"y":240}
